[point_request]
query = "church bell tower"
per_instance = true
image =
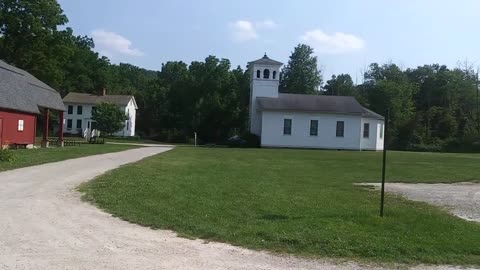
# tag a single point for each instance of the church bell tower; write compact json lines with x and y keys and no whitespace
{"x":264,"y":82}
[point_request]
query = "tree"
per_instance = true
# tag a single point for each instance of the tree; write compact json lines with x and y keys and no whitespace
{"x":341,"y":85}
{"x":388,"y":87}
{"x":301,"y":75}
{"x":29,"y":38}
{"x":109,"y":118}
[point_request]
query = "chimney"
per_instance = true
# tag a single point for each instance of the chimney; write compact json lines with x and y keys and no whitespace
{"x":103,"y":92}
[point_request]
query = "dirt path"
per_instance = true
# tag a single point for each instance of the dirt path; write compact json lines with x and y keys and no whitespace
{"x":461,"y":199}
{"x":45,"y":225}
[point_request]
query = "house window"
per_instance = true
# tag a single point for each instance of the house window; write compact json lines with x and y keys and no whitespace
{"x":20,"y":125}
{"x":313,"y":127}
{"x":287,"y":126}
{"x":274,"y":75}
{"x":79,"y":110}
{"x":70,"y":109}
{"x":79,"y":124}
{"x":366,"y":130}
{"x":266,"y":74}
{"x":69,"y":124}
{"x":340,"y":128}
{"x":381,"y":130}
{"x":258,"y":74}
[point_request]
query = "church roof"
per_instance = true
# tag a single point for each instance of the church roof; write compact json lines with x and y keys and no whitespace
{"x":21,"y":91}
{"x":266,"y":61}
{"x":315,"y":103}
{"x":85,"y":98}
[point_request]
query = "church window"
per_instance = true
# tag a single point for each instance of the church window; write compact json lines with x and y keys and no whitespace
{"x":266,"y":74}
{"x":258,"y":74}
{"x":366,"y":130}
{"x":287,"y":126}
{"x":340,"y":128}
{"x":274,"y":75}
{"x":313,"y":127}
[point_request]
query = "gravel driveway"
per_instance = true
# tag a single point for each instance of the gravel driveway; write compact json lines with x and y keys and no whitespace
{"x":461,"y":199}
{"x":45,"y":225}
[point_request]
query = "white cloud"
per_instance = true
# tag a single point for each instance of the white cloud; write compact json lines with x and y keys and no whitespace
{"x":111,"y":43}
{"x":244,"y":30}
{"x":266,"y":24}
{"x":332,"y":44}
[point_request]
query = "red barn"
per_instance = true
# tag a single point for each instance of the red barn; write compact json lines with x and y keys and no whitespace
{"x":22,"y":97}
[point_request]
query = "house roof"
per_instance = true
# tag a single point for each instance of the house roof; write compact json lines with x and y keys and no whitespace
{"x":21,"y":91}
{"x":266,"y":61}
{"x":315,"y":103}
{"x":85,"y":98}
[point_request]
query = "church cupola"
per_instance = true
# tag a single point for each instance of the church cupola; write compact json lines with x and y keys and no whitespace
{"x":265,"y":68}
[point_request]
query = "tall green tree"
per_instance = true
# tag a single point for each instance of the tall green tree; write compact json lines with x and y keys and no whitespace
{"x":341,"y":85}
{"x":387,"y":87}
{"x":301,"y":75}
{"x":29,"y":37}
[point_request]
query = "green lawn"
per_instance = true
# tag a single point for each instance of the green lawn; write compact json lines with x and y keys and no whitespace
{"x":296,"y":201}
{"x":30,"y":157}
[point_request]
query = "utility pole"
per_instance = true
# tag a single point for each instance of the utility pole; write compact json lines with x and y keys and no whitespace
{"x":384,"y":164}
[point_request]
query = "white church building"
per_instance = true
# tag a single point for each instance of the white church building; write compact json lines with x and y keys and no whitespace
{"x":308,"y":121}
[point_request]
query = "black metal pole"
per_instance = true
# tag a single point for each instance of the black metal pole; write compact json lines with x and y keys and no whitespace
{"x":478,"y":111}
{"x":382,"y":199}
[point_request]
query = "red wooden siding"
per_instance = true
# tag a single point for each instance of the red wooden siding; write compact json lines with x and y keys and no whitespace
{"x":11,"y":134}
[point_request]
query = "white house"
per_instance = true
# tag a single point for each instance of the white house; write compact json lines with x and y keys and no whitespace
{"x":79,"y":106}
{"x":308,"y":121}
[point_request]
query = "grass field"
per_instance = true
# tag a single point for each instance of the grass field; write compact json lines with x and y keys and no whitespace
{"x":296,"y":201}
{"x":30,"y":157}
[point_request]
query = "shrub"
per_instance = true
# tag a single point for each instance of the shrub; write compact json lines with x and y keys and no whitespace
{"x":424,"y":147}
{"x":171,"y":136}
{"x":252,"y":140}
{"x":127,"y":138}
{"x":465,"y":145}
{"x":7,"y":155}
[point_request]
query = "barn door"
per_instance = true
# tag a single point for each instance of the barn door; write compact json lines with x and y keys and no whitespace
{"x":1,"y":133}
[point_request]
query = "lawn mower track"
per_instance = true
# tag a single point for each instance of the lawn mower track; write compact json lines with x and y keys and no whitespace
{"x":45,"y":225}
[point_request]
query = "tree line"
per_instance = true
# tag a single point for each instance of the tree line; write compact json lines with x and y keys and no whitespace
{"x":431,"y":107}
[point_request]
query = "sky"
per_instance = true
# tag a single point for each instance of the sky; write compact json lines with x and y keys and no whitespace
{"x":347,"y":35}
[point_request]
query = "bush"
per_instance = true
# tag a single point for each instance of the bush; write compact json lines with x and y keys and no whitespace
{"x":171,"y":136}
{"x":252,"y":140}
{"x":236,"y":141}
{"x":424,"y":147}
{"x":7,"y":155}
{"x":127,"y":138}
{"x":192,"y":141}
{"x":464,"y":145}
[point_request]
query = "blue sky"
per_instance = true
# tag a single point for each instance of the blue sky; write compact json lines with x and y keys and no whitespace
{"x":347,"y":35}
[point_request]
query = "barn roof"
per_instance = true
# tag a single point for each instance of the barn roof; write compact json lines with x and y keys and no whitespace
{"x":85,"y":98}
{"x":315,"y":103}
{"x":21,"y":91}
{"x":266,"y":61}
